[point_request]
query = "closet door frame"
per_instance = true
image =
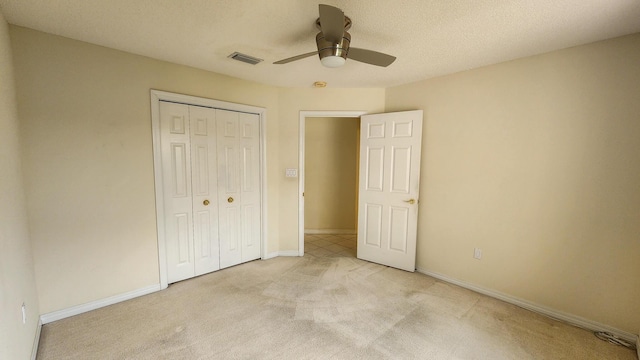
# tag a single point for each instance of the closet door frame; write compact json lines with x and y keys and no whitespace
{"x":156,"y":97}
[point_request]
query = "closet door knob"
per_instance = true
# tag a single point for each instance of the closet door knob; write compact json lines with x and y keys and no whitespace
{"x":230,"y":199}
{"x":205,"y":203}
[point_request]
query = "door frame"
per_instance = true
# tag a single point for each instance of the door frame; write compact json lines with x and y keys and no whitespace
{"x":301,"y":135}
{"x":156,"y":97}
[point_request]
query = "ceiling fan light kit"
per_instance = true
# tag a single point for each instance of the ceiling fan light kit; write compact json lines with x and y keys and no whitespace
{"x":332,"y":61}
{"x":333,"y":42}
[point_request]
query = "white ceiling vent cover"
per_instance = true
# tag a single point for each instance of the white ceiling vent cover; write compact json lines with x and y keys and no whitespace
{"x":245,"y":58}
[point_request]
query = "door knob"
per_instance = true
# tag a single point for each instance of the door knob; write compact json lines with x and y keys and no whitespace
{"x":411,"y":201}
{"x":230,"y":199}
{"x":205,"y":203}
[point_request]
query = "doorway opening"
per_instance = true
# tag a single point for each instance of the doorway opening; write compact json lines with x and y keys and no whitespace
{"x":388,"y":188}
{"x":328,"y":183}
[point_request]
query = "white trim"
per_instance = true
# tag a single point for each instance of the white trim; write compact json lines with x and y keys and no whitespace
{"x":263,"y":176}
{"x":156,"y":97}
{"x":79,"y":309}
{"x":301,"y":146}
{"x":540,"y":309}
{"x":36,"y":340}
{"x":330,"y":231}
{"x":276,"y":254}
{"x":158,"y":184}
{"x":303,"y":116}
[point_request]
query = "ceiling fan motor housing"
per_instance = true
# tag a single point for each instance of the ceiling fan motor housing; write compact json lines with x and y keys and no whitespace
{"x":327,"y":48}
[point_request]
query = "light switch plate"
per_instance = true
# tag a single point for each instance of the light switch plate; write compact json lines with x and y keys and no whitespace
{"x":292,"y":173}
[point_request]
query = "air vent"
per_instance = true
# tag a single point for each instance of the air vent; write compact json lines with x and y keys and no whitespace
{"x":245,"y":58}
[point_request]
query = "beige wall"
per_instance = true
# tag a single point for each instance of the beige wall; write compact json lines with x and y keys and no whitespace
{"x":88,"y":162}
{"x":291,"y":102}
{"x":537,"y":162}
{"x":331,"y":152}
{"x":17,"y":284}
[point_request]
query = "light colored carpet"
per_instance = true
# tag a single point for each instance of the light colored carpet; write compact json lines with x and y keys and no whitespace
{"x":317,"y":307}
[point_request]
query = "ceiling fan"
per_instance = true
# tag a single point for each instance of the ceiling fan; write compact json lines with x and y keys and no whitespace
{"x":333,"y":42}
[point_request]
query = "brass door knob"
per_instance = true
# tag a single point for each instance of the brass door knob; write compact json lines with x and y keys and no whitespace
{"x":205,"y":203}
{"x":230,"y":199}
{"x":411,"y":201}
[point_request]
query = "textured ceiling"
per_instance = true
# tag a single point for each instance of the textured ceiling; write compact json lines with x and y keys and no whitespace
{"x":429,"y":37}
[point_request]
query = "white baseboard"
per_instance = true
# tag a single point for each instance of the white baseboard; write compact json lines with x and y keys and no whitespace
{"x":289,"y":253}
{"x":330,"y":231}
{"x":555,"y":314}
{"x":281,"y":253}
{"x":36,"y":340}
{"x":79,"y":309}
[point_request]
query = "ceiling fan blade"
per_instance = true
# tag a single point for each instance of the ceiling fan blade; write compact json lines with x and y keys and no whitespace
{"x":297,"y":57}
{"x":370,"y":57}
{"x":331,"y":22}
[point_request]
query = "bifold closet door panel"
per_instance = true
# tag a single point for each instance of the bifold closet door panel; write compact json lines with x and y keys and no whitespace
{"x":229,"y":197}
{"x":204,"y":189}
{"x":176,"y":174}
{"x":238,"y":186}
{"x":249,"y":141}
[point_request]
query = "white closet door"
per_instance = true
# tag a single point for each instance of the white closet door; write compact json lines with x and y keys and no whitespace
{"x":211,"y":188}
{"x":238,"y":187}
{"x":205,"y":192}
{"x":250,"y":185}
{"x":228,"y":189}
{"x":176,"y":174}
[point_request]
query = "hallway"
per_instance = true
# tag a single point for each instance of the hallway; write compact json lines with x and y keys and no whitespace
{"x":330,"y":245}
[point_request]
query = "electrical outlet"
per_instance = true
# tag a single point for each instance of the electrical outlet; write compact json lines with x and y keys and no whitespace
{"x":24,"y":313}
{"x":477,"y":253}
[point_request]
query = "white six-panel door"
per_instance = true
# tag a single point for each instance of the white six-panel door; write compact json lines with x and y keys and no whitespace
{"x":207,"y":153}
{"x":389,"y":188}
